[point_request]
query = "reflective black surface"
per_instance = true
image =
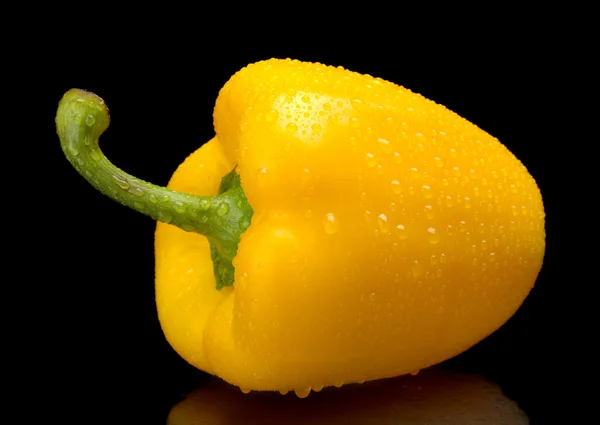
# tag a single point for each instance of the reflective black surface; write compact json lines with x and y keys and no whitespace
{"x":431,"y":397}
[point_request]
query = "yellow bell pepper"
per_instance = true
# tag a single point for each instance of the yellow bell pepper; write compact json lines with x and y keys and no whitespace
{"x":337,"y":229}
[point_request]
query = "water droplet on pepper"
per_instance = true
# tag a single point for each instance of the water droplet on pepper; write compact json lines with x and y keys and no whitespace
{"x":204,"y":205}
{"x":271,"y":115}
{"x":434,"y":238}
{"x":165,"y":217}
{"x":383,"y":223}
{"x":122,"y":183}
{"x":179,"y":207}
{"x":330,"y":224}
{"x":384,"y":145}
{"x":222,"y":209}
{"x":303,"y":392}
{"x":401,"y":232}
{"x":371,"y":161}
{"x":95,"y":155}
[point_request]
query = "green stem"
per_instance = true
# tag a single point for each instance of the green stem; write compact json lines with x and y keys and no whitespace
{"x":81,"y":119}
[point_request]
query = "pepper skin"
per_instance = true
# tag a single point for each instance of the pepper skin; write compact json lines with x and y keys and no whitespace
{"x":387,"y":234}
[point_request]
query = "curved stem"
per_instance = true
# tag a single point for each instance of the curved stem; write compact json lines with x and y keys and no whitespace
{"x":81,"y":119}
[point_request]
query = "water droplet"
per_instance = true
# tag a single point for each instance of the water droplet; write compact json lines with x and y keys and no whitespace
{"x":271,"y":115}
{"x":138,"y":191}
{"x":73,"y":149}
{"x":372,"y":297}
{"x":316,"y":128}
{"x":327,"y":106}
{"x":95,"y":155}
{"x":357,"y":104}
{"x":90,"y":120}
{"x":429,"y":212}
{"x":438,"y":162}
{"x":244,"y":222}
{"x":139,"y":205}
{"x":305,"y":99}
{"x":384,"y":145}
{"x":165,"y":217}
{"x":396,"y":187}
{"x":317,"y":387}
{"x":204,"y":205}
{"x":179,"y":207}
{"x":383,"y":223}
{"x":330,"y":224}
{"x":433,"y":236}
{"x":371,"y":161}
{"x":241,"y":280}
{"x":434,"y":260}
{"x":283,"y":392}
{"x":262,"y":175}
{"x":449,"y":201}
{"x":152,"y":199}
{"x":222,"y":209}
{"x":302,"y":392}
{"x":291,"y":128}
{"x":122,"y":183}
{"x":401,"y":232}
{"x":415,"y":373}
{"x":468,"y":202}
{"x":417,"y":270}
{"x":427,"y":193}
{"x":245,"y":390}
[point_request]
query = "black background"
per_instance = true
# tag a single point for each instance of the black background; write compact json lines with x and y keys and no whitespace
{"x":97,"y":322}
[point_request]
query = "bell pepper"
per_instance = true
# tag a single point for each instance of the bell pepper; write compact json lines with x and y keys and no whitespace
{"x":337,"y":229}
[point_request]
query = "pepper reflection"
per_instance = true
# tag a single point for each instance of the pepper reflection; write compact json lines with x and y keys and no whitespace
{"x":432,"y":397}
